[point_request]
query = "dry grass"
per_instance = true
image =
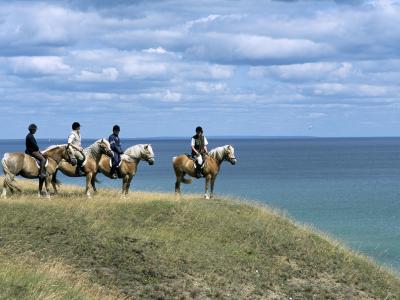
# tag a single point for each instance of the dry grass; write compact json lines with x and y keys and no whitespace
{"x":152,"y":245}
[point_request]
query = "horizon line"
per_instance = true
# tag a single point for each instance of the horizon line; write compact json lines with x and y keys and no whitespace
{"x":219,"y":137}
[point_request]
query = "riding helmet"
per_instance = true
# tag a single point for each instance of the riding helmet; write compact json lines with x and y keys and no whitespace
{"x":199,"y":129}
{"x":116,"y":128}
{"x":32,"y":127}
{"x":75,"y":125}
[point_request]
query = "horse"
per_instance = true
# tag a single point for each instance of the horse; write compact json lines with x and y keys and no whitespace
{"x":90,"y":166}
{"x":18,"y":163}
{"x":128,"y":166}
{"x":182,"y":165}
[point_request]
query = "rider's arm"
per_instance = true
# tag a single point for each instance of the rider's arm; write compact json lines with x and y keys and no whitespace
{"x":193,"y":149}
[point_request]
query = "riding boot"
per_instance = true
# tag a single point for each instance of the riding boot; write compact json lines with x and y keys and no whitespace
{"x":78,"y":170}
{"x":42,"y":171}
{"x":113,"y":172}
{"x":198,"y":170}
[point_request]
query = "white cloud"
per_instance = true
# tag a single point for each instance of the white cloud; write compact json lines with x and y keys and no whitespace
{"x":39,"y":65}
{"x":107,"y":74}
{"x":159,"y":50}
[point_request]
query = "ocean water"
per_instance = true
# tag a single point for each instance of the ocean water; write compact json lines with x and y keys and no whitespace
{"x":347,"y":187}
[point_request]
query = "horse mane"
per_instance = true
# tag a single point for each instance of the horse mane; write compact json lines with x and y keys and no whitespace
{"x":135,"y":150}
{"x":218,"y":153}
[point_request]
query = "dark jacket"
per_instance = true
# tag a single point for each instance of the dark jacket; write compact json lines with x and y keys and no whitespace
{"x":31,"y":145}
{"x":198,"y":144}
{"x":115,"y":144}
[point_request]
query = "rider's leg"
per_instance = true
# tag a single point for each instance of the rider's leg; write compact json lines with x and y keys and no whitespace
{"x":80,"y":159}
{"x":199,"y":162}
{"x":42,"y":162}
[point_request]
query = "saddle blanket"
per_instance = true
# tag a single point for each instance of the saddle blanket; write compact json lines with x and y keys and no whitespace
{"x":123,"y":157}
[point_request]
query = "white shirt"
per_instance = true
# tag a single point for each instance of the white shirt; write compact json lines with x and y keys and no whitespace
{"x":205,"y":142}
{"x":74,"y":138}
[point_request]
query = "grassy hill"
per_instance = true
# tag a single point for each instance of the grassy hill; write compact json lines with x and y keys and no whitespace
{"x":151,"y":245}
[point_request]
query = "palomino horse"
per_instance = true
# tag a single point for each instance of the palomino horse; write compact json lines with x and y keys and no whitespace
{"x":18,"y":163}
{"x":129,"y":163}
{"x":184,"y":165}
{"x":93,"y":154}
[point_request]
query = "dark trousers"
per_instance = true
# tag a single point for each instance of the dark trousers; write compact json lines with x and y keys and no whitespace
{"x":39,"y":156}
{"x":115,"y":161}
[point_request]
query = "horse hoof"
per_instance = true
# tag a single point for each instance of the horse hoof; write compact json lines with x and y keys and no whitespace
{"x":206,"y":197}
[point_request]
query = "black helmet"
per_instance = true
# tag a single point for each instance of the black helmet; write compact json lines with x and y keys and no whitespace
{"x":32,"y":127}
{"x":199,"y":129}
{"x":75,"y":125}
{"x":116,"y":128}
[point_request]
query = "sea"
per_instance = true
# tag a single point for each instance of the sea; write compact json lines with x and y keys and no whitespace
{"x":348,"y":188}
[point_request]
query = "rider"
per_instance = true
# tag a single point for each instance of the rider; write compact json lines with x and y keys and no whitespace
{"x":199,"y":149}
{"x":32,"y":149}
{"x":74,"y":139}
{"x":115,"y":144}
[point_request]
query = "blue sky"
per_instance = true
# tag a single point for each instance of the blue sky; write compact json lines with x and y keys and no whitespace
{"x":160,"y":68}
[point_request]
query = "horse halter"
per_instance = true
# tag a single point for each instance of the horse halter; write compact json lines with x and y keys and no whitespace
{"x":231,"y":159}
{"x":148,"y":158}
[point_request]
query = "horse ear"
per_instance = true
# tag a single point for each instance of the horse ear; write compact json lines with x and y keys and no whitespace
{"x":146,"y":147}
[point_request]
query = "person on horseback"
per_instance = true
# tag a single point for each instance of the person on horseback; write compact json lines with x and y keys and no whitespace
{"x":32,"y":149}
{"x":115,"y":145}
{"x":199,"y":149}
{"x":74,"y":140}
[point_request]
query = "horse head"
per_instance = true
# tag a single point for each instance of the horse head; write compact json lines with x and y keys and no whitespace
{"x":105,"y":147}
{"x":148,"y":154}
{"x":68,"y":155}
{"x":230,"y":154}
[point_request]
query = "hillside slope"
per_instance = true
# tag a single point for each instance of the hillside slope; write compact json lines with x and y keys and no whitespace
{"x":150,"y":245}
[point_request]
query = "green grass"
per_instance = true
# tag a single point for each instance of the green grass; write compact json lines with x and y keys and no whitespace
{"x":151,"y":245}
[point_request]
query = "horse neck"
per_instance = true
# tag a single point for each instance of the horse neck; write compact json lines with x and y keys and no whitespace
{"x":55,"y":154}
{"x":218,"y":155}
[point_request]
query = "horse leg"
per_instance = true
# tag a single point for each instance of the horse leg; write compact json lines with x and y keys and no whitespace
{"x":178,"y":185}
{"x":46,"y":186}
{"x":206,"y":196}
{"x":89,"y":176}
{"x":54,"y":182}
{"x":212,"y":187}
{"x":128,"y":184}
{"x":4,"y":193}
{"x":93,"y":182}
{"x":41,"y":181}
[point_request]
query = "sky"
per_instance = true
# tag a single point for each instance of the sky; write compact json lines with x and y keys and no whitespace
{"x":237,"y":68}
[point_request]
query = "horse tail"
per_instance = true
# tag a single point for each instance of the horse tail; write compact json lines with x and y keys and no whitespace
{"x":9,"y":177}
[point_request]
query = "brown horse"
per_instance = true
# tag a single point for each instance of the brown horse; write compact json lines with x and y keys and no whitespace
{"x":93,"y":154}
{"x":129,"y":163}
{"x":18,"y":163}
{"x":184,"y":165}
